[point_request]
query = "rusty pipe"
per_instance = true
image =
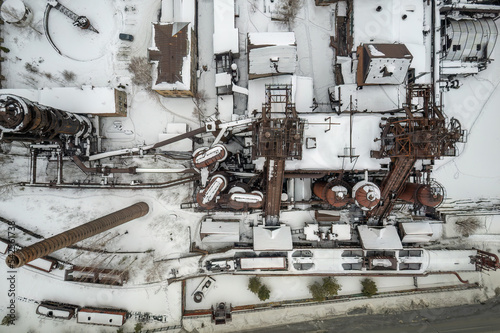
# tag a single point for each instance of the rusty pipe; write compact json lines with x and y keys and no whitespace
{"x":72,"y":236}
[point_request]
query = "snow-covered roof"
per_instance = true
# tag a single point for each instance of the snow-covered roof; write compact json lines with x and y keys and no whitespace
{"x":262,"y":263}
{"x":388,"y":25}
{"x":326,"y":155}
{"x":271,"y":53}
{"x":41,"y":263}
{"x":225,"y":107}
{"x":383,"y":63}
{"x":341,"y":231}
{"x":173,"y":130}
{"x":311,"y":232}
{"x":416,"y":232}
{"x":171,"y":54}
{"x":178,"y":11}
{"x":87,"y":99}
{"x":272,"y":239}
{"x":100,"y":318}
{"x":271,"y":38}
{"x":221,"y":228}
{"x":225,"y":34}
{"x":379,"y":238}
{"x":370,"y":98}
{"x":269,"y":60}
{"x":223,"y":80}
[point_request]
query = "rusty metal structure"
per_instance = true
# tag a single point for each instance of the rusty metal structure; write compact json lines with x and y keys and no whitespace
{"x":24,"y":120}
{"x":421,"y":134}
{"x":277,"y":136}
{"x":336,"y":193}
{"x":72,"y":236}
{"x":486,"y":261}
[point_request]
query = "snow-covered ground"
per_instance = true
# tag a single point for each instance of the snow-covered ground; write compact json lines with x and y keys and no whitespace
{"x":157,"y":247}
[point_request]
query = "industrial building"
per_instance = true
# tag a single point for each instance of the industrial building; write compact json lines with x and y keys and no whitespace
{"x":245,"y":156}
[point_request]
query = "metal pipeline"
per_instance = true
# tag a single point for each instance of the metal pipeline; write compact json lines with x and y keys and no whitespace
{"x":72,"y":236}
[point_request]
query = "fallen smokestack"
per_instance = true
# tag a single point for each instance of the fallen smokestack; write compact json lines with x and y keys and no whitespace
{"x":72,"y":236}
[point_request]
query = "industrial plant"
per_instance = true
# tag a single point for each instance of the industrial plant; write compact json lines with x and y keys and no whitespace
{"x":236,"y":157}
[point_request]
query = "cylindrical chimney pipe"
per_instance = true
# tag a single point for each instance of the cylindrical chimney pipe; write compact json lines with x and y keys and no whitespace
{"x":72,"y":236}
{"x":19,"y":115}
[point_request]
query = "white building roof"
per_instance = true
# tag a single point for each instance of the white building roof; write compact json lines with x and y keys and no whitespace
{"x":271,"y":38}
{"x":272,"y":60}
{"x":99,"y":318}
{"x":221,"y":228}
{"x":376,"y":238}
{"x":225,"y":107}
{"x":87,"y":99}
{"x":225,"y":34}
{"x":388,"y":26}
{"x":177,"y":11}
{"x":173,"y":130}
{"x":223,"y":80}
{"x":326,"y":155}
{"x":272,"y":239}
{"x":416,"y":232}
{"x":342,"y":231}
{"x":263,"y":263}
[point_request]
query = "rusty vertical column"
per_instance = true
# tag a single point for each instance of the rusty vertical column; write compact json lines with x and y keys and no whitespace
{"x":72,"y":236}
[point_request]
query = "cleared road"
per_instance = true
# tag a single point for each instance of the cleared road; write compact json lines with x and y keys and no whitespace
{"x":481,"y":318}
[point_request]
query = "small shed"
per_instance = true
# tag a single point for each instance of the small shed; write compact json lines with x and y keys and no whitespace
{"x":382,"y":64}
{"x":271,"y":53}
{"x":379,"y":238}
{"x":219,"y":232}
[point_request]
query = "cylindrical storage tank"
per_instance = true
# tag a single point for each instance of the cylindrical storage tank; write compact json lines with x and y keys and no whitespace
{"x":431,"y":195}
{"x":16,"y":12}
{"x":366,"y":195}
{"x":302,"y":192}
{"x":239,"y":200}
{"x":319,"y":188}
{"x":205,"y":157}
{"x":206,"y":197}
{"x":19,"y":115}
{"x":72,"y":236}
{"x":336,"y":192}
{"x":409,"y":192}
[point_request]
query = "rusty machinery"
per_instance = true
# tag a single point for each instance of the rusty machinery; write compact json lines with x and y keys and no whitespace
{"x":24,"y":120}
{"x":277,"y":136}
{"x":72,"y":236}
{"x":421,"y":134}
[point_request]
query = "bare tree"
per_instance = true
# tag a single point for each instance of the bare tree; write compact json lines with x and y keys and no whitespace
{"x":288,"y":10}
{"x":141,"y":70}
{"x":467,"y":226}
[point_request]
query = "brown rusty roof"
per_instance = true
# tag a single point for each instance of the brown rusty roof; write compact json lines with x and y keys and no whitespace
{"x":170,"y":51}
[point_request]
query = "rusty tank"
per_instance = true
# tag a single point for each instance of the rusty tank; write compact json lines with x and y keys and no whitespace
{"x":366,"y":195}
{"x":335,"y":193}
{"x":207,"y":197}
